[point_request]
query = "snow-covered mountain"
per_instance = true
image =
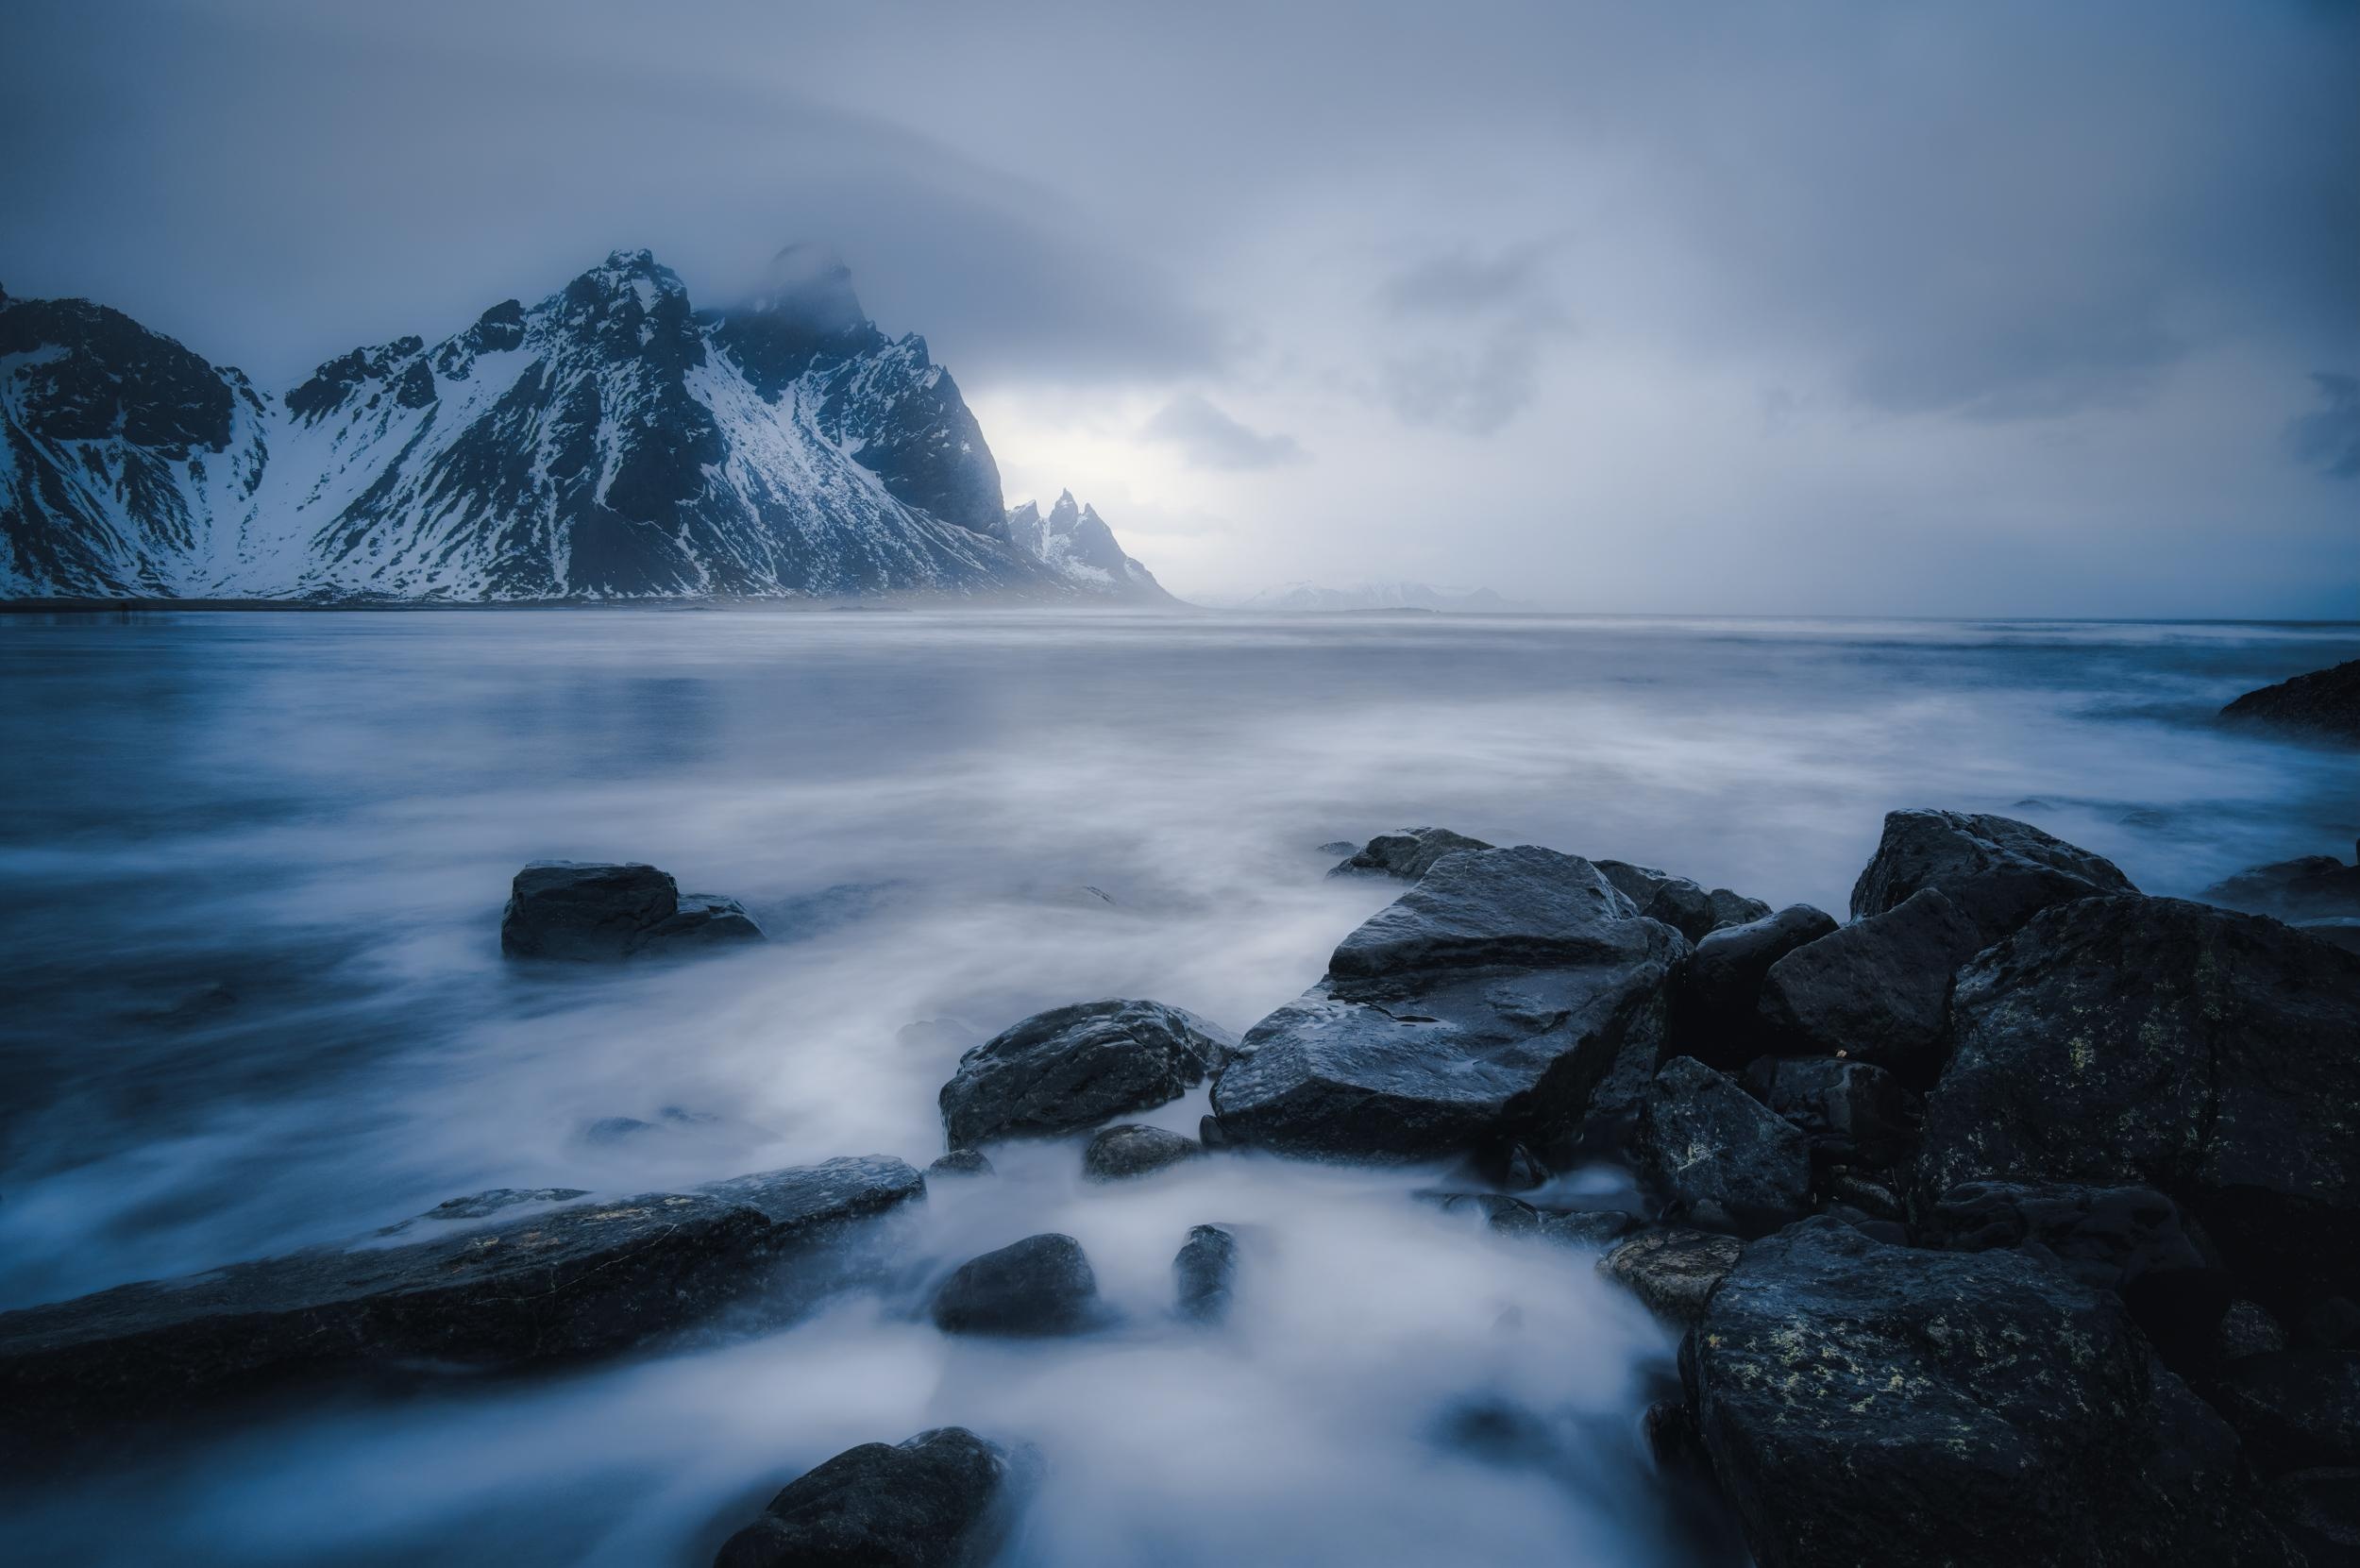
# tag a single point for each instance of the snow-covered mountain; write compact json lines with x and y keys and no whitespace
{"x":1075,"y":542}
{"x":607,"y":442}
{"x":1300,"y":597}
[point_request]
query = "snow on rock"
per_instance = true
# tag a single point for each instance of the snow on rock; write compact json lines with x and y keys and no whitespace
{"x":1076,"y":542}
{"x":610,"y":442}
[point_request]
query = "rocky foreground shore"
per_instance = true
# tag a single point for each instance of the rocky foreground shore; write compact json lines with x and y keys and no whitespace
{"x":2015,"y":1220}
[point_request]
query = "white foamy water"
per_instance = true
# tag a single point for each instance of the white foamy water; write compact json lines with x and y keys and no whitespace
{"x":253,"y":865}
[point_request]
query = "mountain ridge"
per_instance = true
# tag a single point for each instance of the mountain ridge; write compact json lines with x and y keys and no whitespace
{"x":611,"y":442}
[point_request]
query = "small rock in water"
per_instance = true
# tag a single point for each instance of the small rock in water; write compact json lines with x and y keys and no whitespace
{"x":1041,"y":1285}
{"x":1204,"y":1274}
{"x":943,"y":1499}
{"x":2322,"y":705}
{"x":1339,"y":846}
{"x":476,"y":1205}
{"x":1718,"y":1154}
{"x":1134,"y":1150}
{"x":2313,"y":887}
{"x":563,"y":910}
{"x":1408,"y":855}
{"x":1075,"y":1067}
{"x":961,"y":1162}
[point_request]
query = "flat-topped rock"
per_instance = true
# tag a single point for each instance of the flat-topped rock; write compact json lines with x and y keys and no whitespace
{"x":1071,"y":1067}
{"x":552,"y":1284}
{"x":1480,"y":1008}
{"x":1997,"y":871}
{"x":603,"y":914}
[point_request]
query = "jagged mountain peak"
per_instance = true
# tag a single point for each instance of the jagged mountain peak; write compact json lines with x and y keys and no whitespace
{"x":1076,"y":542}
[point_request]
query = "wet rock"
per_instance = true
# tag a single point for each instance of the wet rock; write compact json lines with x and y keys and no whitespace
{"x":1720,"y":1158}
{"x":2132,"y":1041}
{"x":1133,"y":1150}
{"x":1481,"y":1007}
{"x":1877,"y":990}
{"x":1872,"y":1198}
{"x":1716,"y":1017}
{"x":2132,"y":1240}
{"x":2312,"y":887}
{"x":1041,"y":1285}
{"x":1205,"y":1274}
{"x":2296,"y":1410}
{"x":961,"y":1162}
{"x":592,"y":1278}
{"x":1997,"y":871}
{"x":1635,"y":883}
{"x":1075,"y":1067}
{"x":2319,"y":1511}
{"x":477,"y":1205}
{"x":1852,"y":1113}
{"x":1673,"y":1269}
{"x":1408,"y":855}
{"x":563,"y":910}
{"x":943,"y":1499}
{"x":2342,"y":933}
{"x":1695,"y":913}
{"x":1583,"y":1227}
{"x":605,"y":915}
{"x":1339,"y":846}
{"x":1864,"y":1403}
{"x":1208,"y":1132}
{"x":2322,"y":705}
{"x":2247,"y":1328}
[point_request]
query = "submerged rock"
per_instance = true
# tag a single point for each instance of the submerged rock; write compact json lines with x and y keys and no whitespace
{"x":1715,"y":1015}
{"x":1205,"y":1274}
{"x":1722,"y":1160}
{"x":563,"y":909}
{"x":1075,"y":1067}
{"x":943,"y":1499}
{"x":1675,"y":1271}
{"x":1877,"y":990}
{"x":2322,"y":705}
{"x":1041,"y":1285}
{"x":1408,"y":855}
{"x":1134,"y":1150}
{"x":1997,"y":871}
{"x":961,"y":1162}
{"x":2310,"y":887}
{"x":1480,"y":1007}
{"x":588,"y":1279}
{"x":1865,"y":1402}
{"x":2135,"y":1041}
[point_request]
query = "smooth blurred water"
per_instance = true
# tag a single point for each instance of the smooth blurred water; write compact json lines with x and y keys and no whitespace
{"x":251,"y":875}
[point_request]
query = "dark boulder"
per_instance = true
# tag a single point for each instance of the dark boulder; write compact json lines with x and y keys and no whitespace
{"x":1075,"y":1067}
{"x":961,"y":1162}
{"x":1719,"y":1156}
{"x":1504,"y":1216}
{"x":1408,"y":855}
{"x":562,"y":909}
{"x":1205,"y":1274}
{"x":1877,"y":990}
{"x":944,"y":1499}
{"x":1864,"y":1403}
{"x":1715,"y":1015}
{"x":1041,"y":1285}
{"x":1678,"y":902}
{"x":2322,"y":705}
{"x":2247,"y":1328}
{"x":2151,"y":1042}
{"x":1480,"y":1007}
{"x":2132,"y":1240}
{"x":2342,"y":933}
{"x":1675,"y":1271}
{"x":2312,"y":887}
{"x":2297,"y":1409}
{"x":588,"y":1279}
{"x":1133,"y":1150}
{"x":1998,"y":872}
{"x":1850,"y":1112}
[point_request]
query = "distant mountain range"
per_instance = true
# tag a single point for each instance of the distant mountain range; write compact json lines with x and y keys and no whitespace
{"x":608,"y":442}
{"x":1310,"y":598}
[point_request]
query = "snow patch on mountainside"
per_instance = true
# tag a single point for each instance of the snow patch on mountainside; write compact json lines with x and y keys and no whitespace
{"x":1074,"y":542}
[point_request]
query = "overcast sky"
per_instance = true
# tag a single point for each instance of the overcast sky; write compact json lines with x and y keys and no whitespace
{"x":1979,"y":308}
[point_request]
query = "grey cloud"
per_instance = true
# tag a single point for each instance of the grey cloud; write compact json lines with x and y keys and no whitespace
{"x":1209,"y":438}
{"x":1475,"y":391}
{"x":1470,"y":330}
{"x":1465,"y":282}
{"x":2328,"y":439}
